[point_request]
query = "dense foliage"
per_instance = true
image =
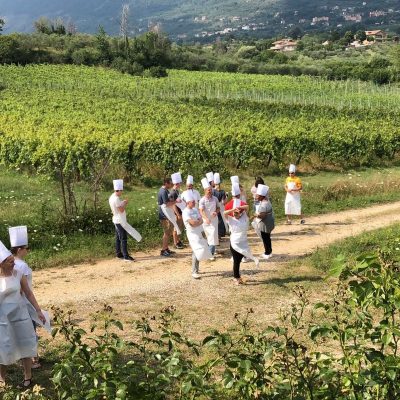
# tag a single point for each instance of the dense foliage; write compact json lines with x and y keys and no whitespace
{"x":343,"y":349}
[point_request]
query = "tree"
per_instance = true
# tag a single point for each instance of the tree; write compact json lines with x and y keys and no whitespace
{"x":43,"y":25}
{"x":103,"y":45}
{"x":361,"y":35}
{"x":2,"y":23}
{"x":296,"y":33}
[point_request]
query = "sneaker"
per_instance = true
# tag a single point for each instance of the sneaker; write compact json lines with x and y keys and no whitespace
{"x":212,"y":258}
{"x":266,"y":256}
{"x":119,"y":256}
{"x":257,"y":262}
{"x":245,"y":260}
{"x":170,"y":251}
{"x":196,"y":276}
{"x":165,"y":253}
{"x":179,"y":246}
{"x":303,"y":221}
{"x":129,"y":259}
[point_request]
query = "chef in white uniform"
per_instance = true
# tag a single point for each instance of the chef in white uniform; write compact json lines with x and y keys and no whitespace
{"x":191,"y":190}
{"x":122,"y":228}
{"x":238,"y":221}
{"x":209,"y":209}
{"x":194,"y":230}
{"x":293,"y":187}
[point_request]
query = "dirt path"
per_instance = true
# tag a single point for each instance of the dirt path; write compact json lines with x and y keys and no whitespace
{"x":151,"y":281}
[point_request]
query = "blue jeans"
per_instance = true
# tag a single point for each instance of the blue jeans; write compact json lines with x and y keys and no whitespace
{"x":121,"y":241}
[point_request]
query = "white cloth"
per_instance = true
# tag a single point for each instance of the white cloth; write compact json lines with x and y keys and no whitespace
{"x":189,"y":180}
{"x":234,"y":179}
{"x":205,"y":183}
{"x":197,"y":242}
{"x":292,"y":201}
{"x":118,"y":184}
{"x":4,"y":252}
{"x":256,"y":221}
{"x":195,"y":194}
{"x":17,"y":336}
{"x":262,"y":190}
{"x":217,"y":178}
{"x":18,"y":236}
{"x":238,"y":228}
{"x":210,"y":176}
{"x":120,"y":217}
{"x":292,"y":168}
{"x":176,"y":178}
{"x":235,"y":189}
{"x":210,"y":205}
{"x":170,"y":214}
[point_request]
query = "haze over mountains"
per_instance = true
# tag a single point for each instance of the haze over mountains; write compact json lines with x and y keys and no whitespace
{"x":189,"y":19}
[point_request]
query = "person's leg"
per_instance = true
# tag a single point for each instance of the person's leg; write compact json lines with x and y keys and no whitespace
{"x":123,"y":238}
{"x":2,"y":374}
{"x":27,"y":366}
{"x":195,"y":264}
{"x":266,"y":238}
{"x":118,"y":252}
{"x":288,"y":218}
{"x":237,"y":258}
{"x":165,"y":239}
{"x":212,"y":249}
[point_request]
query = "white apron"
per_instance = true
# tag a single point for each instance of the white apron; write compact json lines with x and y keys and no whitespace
{"x":170,"y":214}
{"x":197,"y":242}
{"x":239,"y":242}
{"x":211,"y":231}
{"x":292,"y":201}
{"x":255,"y":223}
{"x":129,"y":229}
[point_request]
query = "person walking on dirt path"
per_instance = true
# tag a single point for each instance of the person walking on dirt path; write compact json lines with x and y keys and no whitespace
{"x":264,"y":222}
{"x":194,"y":230}
{"x":17,"y":335}
{"x":238,"y":221}
{"x":209,"y":209}
{"x":178,"y":208}
{"x":166,"y":215}
{"x":220,"y":194}
{"x":293,"y":187}
{"x":122,"y":228}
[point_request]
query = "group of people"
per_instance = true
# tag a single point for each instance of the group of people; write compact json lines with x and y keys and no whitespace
{"x":210,"y":217}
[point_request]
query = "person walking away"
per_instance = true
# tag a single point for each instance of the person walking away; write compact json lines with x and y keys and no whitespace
{"x":190,"y":189}
{"x":238,"y":221}
{"x":17,"y":335}
{"x":166,"y":215}
{"x":293,"y":187}
{"x":194,"y":230}
{"x":122,"y":228}
{"x":220,"y":194}
{"x":178,"y":207}
{"x":19,"y":250}
{"x":209,"y":209}
{"x":264,"y":221}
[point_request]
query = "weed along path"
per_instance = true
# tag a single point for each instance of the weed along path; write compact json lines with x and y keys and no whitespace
{"x":152,"y":282}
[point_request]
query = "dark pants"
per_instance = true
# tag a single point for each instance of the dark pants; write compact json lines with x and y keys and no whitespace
{"x":221,"y":226}
{"x":266,"y":238}
{"x":237,"y":259}
{"x":121,"y":241}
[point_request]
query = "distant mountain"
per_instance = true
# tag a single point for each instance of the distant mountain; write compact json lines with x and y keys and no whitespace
{"x":188,"y":19}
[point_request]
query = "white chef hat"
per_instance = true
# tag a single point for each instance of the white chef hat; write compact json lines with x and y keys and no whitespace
{"x":210,"y":176}
{"x":235,"y":189}
{"x":4,"y":252}
{"x":205,"y":183}
{"x":234,"y":179}
{"x":217,"y":178}
{"x":118,"y":184}
{"x":189,"y":180}
{"x":18,"y":236}
{"x":262,"y":190}
{"x":292,"y":168}
{"x":189,"y":196}
{"x":176,"y":178}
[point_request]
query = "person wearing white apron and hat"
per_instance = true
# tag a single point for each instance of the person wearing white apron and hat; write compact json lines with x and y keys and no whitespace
{"x":220,"y":194}
{"x":19,"y":249}
{"x":17,"y":335}
{"x":190,"y":190}
{"x":209,"y":209}
{"x":194,"y":230}
{"x":178,"y":208}
{"x":264,"y":222}
{"x":293,"y":187}
{"x":238,"y":221}
{"x":122,"y":228}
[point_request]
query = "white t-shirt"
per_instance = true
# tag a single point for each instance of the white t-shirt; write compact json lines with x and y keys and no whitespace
{"x":209,"y":205}
{"x":23,"y":268}
{"x":191,"y":213}
{"x":116,"y":202}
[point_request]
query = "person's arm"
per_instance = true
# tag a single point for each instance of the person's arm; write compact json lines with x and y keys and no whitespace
{"x":31,"y":298}
{"x":194,"y":222}
{"x":122,"y":207}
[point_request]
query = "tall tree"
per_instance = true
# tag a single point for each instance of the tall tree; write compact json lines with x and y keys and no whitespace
{"x":2,"y":23}
{"x":103,"y":45}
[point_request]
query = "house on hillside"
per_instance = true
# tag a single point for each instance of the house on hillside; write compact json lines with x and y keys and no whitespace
{"x":284,"y":45}
{"x":377,"y":35}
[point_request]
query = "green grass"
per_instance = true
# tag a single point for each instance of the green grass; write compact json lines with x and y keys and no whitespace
{"x":35,"y":201}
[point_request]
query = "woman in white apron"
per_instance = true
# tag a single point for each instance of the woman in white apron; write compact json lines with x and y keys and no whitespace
{"x":293,"y":187}
{"x":17,"y":335}
{"x":238,"y":221}
{"x":209,"y":209}
{"x":194,"y":231}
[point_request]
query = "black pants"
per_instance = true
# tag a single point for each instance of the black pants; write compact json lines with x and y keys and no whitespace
{"x":221,"y":226}
{"x":237,"y":259}
{"x":266,"y":238}
{"x":121,"y":241}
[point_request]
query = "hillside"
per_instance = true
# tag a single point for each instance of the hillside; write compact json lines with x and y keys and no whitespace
{"x":187,"y":19}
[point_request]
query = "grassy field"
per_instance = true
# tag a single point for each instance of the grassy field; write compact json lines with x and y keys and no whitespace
{"x":35,"y":201}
